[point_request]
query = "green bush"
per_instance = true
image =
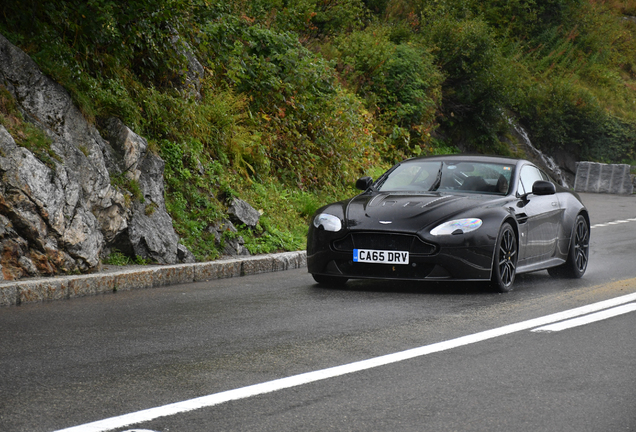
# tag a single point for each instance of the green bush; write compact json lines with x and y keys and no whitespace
{"x":567,"y":117}
{"x":477,"y":81}
{"x":311,"y":125}
{"x":523,"y":19}
{"x":310,"y":18}
{"x":102,"y":36}
{"x":579,"y":99}
{"x":398,"y":82}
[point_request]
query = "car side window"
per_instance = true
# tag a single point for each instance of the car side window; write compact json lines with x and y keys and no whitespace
{"x":528,"y":176}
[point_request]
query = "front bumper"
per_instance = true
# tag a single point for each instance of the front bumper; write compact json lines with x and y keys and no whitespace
{"x":456,"y":258}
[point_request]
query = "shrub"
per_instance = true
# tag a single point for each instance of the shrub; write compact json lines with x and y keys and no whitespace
{"x":315,"y":132}
{"x":568,"y":117}
{"x":477,"y":81}
{"x":398,"y":82}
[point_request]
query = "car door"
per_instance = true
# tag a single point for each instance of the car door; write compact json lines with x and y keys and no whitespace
{"x":541,"y":216}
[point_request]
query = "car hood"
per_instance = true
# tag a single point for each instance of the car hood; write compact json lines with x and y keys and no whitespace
{"x":407,"y":212}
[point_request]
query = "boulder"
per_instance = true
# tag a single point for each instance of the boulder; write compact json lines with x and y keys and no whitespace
{"x":150,"y":233}
{"x":235,"y":247}
{"x":184,"y":255}
{"x":241,"y":212}
{"x":224,"y":235}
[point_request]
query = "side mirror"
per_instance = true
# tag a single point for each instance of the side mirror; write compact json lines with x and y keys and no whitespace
{"x":541,"y":187}
{"x":364,"y":183}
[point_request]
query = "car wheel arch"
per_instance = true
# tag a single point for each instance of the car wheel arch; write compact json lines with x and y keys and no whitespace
{"x":514,"y":224}
{"x":503,"y":269}
{"x":582,"y":212}
{"x":515,"y":227}
{"x":570,"y":268}
{"x":586,"y":215}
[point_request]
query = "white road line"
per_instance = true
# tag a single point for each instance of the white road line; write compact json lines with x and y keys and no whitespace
{"x":309,"y":377}
{"x":600,"y":225}
{"x":587,"y":319}
{"x":140,"y":430}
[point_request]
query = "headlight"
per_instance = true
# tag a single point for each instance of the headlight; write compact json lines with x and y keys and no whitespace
{"x":459,"y":226}
{"x":329,"y":222}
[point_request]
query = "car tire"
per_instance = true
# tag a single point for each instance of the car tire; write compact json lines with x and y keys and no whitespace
{"x":579,"y":253}
{"x":330,"y":280}
{"x":504,"y":267}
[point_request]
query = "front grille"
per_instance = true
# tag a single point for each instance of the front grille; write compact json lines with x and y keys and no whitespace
{"x":384,"y":241}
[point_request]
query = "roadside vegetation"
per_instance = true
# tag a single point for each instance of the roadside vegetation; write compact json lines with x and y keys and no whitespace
{"x":300,"y":98}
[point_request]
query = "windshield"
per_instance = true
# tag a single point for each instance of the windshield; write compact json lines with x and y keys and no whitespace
{"x":428,"y":176}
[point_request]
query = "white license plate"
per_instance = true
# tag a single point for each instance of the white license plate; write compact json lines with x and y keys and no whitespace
{"x":380,"y":256}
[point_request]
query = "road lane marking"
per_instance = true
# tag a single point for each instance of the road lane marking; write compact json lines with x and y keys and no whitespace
{"x":587,"y":319}
{"x":600,"y":225}
{"x":319,"y":375}
{"x":140,"y":430}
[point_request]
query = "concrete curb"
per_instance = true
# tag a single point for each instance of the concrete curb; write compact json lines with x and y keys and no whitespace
{"x":141,"y":277}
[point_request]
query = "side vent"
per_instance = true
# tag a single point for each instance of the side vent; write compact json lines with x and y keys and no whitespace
{"x":521,"y":218}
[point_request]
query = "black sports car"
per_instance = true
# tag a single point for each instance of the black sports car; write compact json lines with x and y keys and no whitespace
{"x":451,"y":218}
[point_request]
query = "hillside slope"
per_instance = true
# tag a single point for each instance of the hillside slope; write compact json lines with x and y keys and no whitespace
{"x":285,"y":103}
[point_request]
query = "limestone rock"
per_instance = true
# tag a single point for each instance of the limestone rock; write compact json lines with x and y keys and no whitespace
{"x":224,"y":233}
{"x":56,"y":205}
{"x":150,"y":233}
{"x":191,"y":80}
{"x":184,"y":255}
{"x":128,"y":148}
{"x":63,"y":216}
{"x":243,"y":213}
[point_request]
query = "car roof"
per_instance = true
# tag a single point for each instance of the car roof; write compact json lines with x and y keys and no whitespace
{"x":470,"y":158}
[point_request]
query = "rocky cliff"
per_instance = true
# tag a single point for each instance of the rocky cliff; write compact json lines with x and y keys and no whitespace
{"x":65,"y":215}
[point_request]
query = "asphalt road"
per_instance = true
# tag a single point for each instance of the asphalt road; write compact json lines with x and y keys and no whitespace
{"x":469,"y":358}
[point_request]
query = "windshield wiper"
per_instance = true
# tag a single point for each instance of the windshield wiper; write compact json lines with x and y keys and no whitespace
{"x":438,"y":180}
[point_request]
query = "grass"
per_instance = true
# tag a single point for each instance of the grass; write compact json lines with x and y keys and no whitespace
{"x":24,"y":133}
